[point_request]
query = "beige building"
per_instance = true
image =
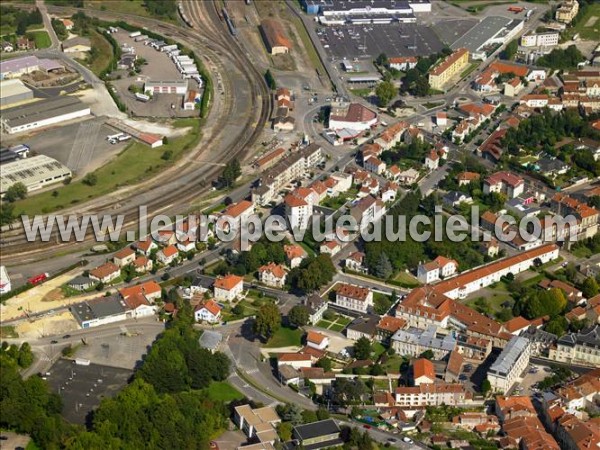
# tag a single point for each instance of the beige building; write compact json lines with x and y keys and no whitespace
{"x":353,"y":297}
{"x":579,"y":348}
{"x":567,"y":11}
{"x":434,"y":394}
{"x":448,"y":69}
{"x":258,"y":424}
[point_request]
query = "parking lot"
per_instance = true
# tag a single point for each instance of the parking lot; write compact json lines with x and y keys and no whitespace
{"x":159,"y":67}
{"x":82,"y":388}
{"x":533,"y":375}
{"x":369,"y":41}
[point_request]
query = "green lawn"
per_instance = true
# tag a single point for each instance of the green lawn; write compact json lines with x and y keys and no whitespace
{"x":491,"y":301}
{"x":286,"y":337}
{"x":123,"y":7}
{"x":102,"y":58}
{"x":223,"y":391}
{"x":41,"y":38}
{"x":337,"y":327}
{"x":469,"y":69}
{"x":592,"y":31}
{"x":135,"y":163}
{"x":406,"y":279}
{"x":362,"y":92}
{"x":324,"y":324}
{"x":392,"y":365}
{"x":378,"y":349}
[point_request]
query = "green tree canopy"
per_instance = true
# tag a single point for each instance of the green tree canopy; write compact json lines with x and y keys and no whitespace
{"x":268,"y":320}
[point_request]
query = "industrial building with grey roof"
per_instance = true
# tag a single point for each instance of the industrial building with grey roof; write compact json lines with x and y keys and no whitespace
{"x":35,"y":173}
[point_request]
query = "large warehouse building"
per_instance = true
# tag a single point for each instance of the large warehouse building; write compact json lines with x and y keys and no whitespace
{"x":17,"y":67}
{"x":358,"y":7}
{"x":490,"y":31}
{"x":275,"y":37}
{"x":42,"y":113}
{"x":167,"y":87}
{"x":14,"y":91}
{"x":35,"y":173}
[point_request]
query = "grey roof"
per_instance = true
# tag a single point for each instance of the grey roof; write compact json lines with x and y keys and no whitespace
{"x":506,"y":360}
{"x":455,"y":196}
{"x":549,"y":164}
{"x":18,"y":64}
{"x":589,"y":337}
{"x":106,"y":306}
{"x":536,"y":335}
{"x":210,"y":339}
{"x":314,"y":303}
{"x":428,"y":338}
{"x":288,"y":372}
{"x":31,"y":171}
{"x":79,"y":40}
{"x":481,"y":33}
{"x":342,"y":6}
{"x":42,"y":110}
{"x":316,"y":429}
{"x":81,"y":281}
{"x":365,"y":325}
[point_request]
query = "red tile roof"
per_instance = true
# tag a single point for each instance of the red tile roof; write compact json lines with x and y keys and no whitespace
{"x":104,"y":270}
{"x":211,"y":306}
{"x":517,"y":323}
{"x":315,"y":337}
{"x":506,"y":68}
{"x":169,"y":251}
{"x":423,"y":368}
{"x":228,"y":282}
{"x":289,"y":357}
{"x":124,"y":253}
{"x":276,"y":269}
{"x":236,"y":209}
{"x":135,"y":300}
{"x":352,"y":291}
{"x":147,"y":288}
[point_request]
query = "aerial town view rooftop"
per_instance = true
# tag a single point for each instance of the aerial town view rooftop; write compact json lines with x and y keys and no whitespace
{"x":300,"y":224}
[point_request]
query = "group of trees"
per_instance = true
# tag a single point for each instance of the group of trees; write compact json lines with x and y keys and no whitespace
{"x":268,"y":320}
{"x":385,"y":92}
{"x":510,"y":51}
{"x":17,"y":191}
{"x":162,"y":8}
{"x":348,"y":391}
{"x":261,"y":253}
{"x":416,"y":81}
{"x":18,"y":18}
{"x":270,"y":80}
{"x":21,"y":356}
{"x":60,"y":29}
{"x":540,"y":302}
{"x":415,"y":150}
{"x":312,"y":274}
{"x":177,"y":363}
{"x":562,"y":59}
{"x":298,"y":316}
{"x":362,"y":348}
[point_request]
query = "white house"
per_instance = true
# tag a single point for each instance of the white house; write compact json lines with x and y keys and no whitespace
{"x":273,"y":275}
{"x":330,"y":247}
{"x":389,"y":191}
{"x":510,"y":364}
{"x":186,"y":245}
{"x":124,"y":257}
{"x":352,"y":297}
{"x":139,"y":306}
{"x":296,"y":360}
{"x":208,"y":311}
{"x":105,"y":273}
{"x":375,"y":165}
{"x":299,"y":206}
{"x":228,"y":288}
{"x":504,"y":182}
{"x":440,"y":267}
{"x":167,"y":255}
{"x":432,"y":160}
{"x":145,"y":247}
{"x":317,"y":340}
{"x":403,"y":63}
{"x":233,"y":216}
{"x":423,"y":372}
{"x":355,"y":261}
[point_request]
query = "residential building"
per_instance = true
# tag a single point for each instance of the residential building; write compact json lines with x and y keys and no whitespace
{"x":413,"y":342}
{"x":432,"y":160}
{"x":354,"y":298}
{"x":288,"y":169}
{"x":317,"y":340}
{"x":105,"y":273}
{"x":466,"y":178}
{"x":273,"y":275}
{"x":403,"y":63}
{"x":367,"y":211}
{"x":567,"y":11}
{"x":431,"y":394}
{"x":355,"y":261}
{"x":167,"y":255}
{"x":375,"y":165}
{"x":235,"y":215}
{"x":150,"y":290}
{"x":145,"y":247}
{"x":455,"y":198}
{"x":124,"y":257}
{"x":392,"y":135}
{"x":578,"y":348}
{"x":423,"y":372}
{"x":587,"y":216}
{"x":454,"y":367}
{"x":208,"y":311}
{"x":510,"y":364}
{"x":441,"y":267}
{"x":294,"y":254}
{"x":504,"y":182}
{"x":257,"y":422}
{"x":296,"y":360}
{"x":387,"y":327}
{"x":513,"y":87}
{"x":453,"y":65}
{"x":363,"y":326}
{"x":318,"y":435}
{"x":408,"y":177}
{"x":138,"y":306}
{"x":299,"y":209}
{"x":316,"y":307}
{"x":228,"y":288}
{"x":79,"y":283}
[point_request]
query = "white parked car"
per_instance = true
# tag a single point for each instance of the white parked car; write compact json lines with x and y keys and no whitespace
{"x":408,"y":440}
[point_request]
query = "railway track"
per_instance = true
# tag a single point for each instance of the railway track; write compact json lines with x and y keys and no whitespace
{"x":215,"y":43}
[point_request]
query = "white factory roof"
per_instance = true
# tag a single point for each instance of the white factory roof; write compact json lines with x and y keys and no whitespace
{"x":8,"y":88}
{"x":31,"y":171}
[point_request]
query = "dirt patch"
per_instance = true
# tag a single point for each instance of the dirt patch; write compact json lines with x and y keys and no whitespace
{"x":47,"y":326}
{"x":284,"y":62}
{"x":53,"y":295}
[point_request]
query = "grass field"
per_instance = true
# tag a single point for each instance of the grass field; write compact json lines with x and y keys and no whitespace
{"x":223,"y":391}
{"x":286,"y":337}
{"x":7,"y":332}
{"x":41,"y":38}
{"x":103,"y":57}
{"x":123,"y":7}
{"x":406,"y":279}
{"x":589,"y":25}
{"x":135,"y":163}
{"x":469,"y":70}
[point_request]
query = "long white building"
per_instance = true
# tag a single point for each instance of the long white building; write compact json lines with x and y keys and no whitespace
{"x":511,"y":363}
{"x":36,"y":172}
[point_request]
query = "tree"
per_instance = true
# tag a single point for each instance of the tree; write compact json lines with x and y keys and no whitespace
{"x":385,"y":92}
{"x":557,"y":326}
{"x":268,"y":320}
{"x":270,"y":80}
{"x":427,"y":354}
{"x":290,"y":412}
{"x":309,"y":416}
{"x":298,"y":315}
{"x":382,"y":304}
{"x":382,"y":60}
{"x":17,"y":191}
{"x":324,"y":363}
{"x":231,"y":172}
{"x":589,"y":288}
{"x":384,"y":267}
{"x":90,"y":179}
{"x":322,"y":414}
{"x":25,"y":358}
{"x":362,"y":348}
{"x":510,"y":50}
{"x":284,"y":429}
{"x":421,"y":87}
{"x":6,"y":213}
{"x":486,"y":387}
